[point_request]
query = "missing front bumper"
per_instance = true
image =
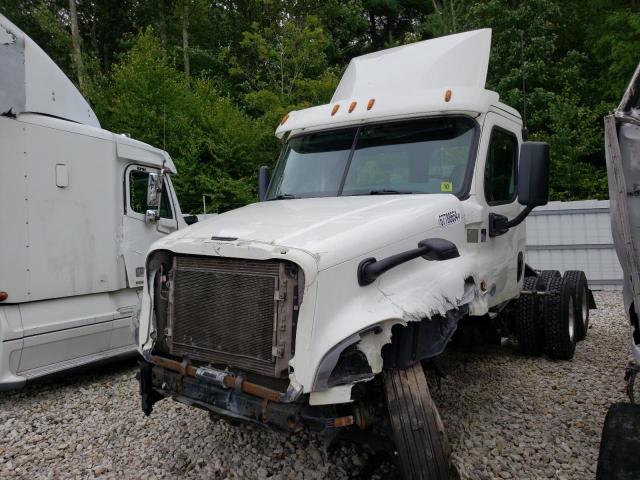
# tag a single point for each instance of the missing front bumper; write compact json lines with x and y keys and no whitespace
{"x":157,"y":382}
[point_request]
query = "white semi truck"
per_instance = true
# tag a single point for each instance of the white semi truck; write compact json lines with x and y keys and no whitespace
{"x":75,"y":220}
{"x":394,"y":214}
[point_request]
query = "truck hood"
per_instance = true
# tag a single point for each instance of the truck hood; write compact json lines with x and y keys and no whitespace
{"x":332,"y":229}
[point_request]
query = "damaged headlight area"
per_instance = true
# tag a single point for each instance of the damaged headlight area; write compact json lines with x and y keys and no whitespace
{"x":391,"y":344}
{"x":345,"y":363}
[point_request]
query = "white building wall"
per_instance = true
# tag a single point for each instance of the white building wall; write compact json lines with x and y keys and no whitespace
{"x":575,"y":236}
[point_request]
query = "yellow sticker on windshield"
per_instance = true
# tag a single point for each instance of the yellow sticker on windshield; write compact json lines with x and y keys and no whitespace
{"x":446,"y":186}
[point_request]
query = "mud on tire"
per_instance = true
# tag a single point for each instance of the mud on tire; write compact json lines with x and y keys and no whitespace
{"x":560,"y":334}
{"x":418,"y":431}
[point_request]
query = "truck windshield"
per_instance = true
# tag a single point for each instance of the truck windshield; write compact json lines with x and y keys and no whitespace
{"x":419,"y":156}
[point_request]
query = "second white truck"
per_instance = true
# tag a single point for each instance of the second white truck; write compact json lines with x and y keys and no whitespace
{"x":394,"y":215}
{"x":76,"y":220}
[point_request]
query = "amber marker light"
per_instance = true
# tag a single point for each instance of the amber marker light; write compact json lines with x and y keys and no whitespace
{"x":335,"y":109}
{"x":3,"y":296}
{"x":370,"y":104}
{"x":352,"y":107}
{"x":284,"y":119}
{"x":447,"y":95}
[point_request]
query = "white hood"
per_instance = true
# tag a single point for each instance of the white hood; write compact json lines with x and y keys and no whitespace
{"x":333,"y":229}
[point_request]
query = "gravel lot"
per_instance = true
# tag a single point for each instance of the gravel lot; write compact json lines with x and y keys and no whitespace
{"x":508,"y":416}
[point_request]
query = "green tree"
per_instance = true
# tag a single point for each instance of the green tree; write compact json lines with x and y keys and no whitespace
{"x":391,"y":22}
{"x":215,"y":146}
{"x":277,"y":58}
{"x":40,"y":20}
{"x":554,"y":70}
{"x":251,"y":61}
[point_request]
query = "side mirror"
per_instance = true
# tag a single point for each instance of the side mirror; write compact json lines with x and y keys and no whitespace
{"x":151,"y":217}
{"x":533,"y":186}
{"x":263,"y":182}
{"x":190,"y":219}
{"x":533,"y":174}
{"x":153,"y":188}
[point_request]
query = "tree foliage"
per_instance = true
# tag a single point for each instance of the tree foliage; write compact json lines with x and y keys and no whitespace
{"x":251,"y":61}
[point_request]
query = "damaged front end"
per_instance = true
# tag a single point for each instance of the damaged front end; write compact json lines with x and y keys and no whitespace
{"x":282,"y":343}
{"x":221,"y":334}
{"x":208,"y":314}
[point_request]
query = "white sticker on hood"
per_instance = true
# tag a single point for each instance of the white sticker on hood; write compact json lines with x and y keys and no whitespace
{"x":449,"y":218}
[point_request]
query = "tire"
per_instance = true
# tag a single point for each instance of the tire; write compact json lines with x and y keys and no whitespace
{"x":529,"y":325}
{"x":559,"y":320}
{"x":618,"y":458}
{"x":418,"y":431}
{"x":578,"y":281}
{"x":544,"y":277}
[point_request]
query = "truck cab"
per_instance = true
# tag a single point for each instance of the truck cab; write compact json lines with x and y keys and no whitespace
{"x":393,"y":213}
{"x":76,"y":221}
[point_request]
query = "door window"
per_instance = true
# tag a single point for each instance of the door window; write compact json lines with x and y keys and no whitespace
{"x":501,"y":168}
{"x":138,"y":184}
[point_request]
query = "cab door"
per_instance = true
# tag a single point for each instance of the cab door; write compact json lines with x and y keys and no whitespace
{"x":138,"y":233}
{"x":497,"y":177}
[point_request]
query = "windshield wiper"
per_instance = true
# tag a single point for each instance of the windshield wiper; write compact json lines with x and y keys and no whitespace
{"x":388,"y":192}
{"x":284,"y":196}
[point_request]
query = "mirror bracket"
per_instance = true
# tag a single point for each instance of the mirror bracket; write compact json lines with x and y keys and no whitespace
{"x":499,"y":224}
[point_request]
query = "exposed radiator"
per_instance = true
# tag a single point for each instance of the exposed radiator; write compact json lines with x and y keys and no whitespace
{"x":231,"y":312}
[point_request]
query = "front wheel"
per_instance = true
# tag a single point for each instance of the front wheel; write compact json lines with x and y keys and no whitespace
{"x":418,"y":431}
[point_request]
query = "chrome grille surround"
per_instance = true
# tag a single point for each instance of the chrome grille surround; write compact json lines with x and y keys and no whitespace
{"x":231,"y":312}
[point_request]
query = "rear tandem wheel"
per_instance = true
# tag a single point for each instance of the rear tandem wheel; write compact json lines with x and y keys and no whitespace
{"x":529,"y":325}
{"x":560,"y":319}
{"x":578,"y":281}
{"x":530,"y":322}
{"x":544,"y":277}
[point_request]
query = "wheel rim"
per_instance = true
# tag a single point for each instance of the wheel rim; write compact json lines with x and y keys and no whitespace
{"x":572,"y":322}
{"x":585,"y":305}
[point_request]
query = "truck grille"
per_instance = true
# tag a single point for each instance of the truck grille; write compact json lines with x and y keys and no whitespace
{"x":231,"y":312}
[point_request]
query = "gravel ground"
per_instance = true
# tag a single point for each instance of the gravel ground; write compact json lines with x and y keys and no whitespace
{"x":507,"y":416}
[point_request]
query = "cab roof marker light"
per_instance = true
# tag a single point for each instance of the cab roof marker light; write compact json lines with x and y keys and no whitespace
{"x":3,"y":296}
{"x":370,"y":104}
{"x":447,"y":95}
{"x":352,"y":107}
{"x":335,"y":109}
{"x":284,"y":119}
